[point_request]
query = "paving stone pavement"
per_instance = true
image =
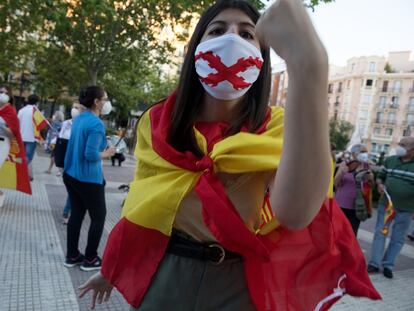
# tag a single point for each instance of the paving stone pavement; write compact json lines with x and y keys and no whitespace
{"x":33,"y":244}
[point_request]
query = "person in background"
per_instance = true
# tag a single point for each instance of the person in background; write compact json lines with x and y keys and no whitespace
{"x":118,"y":142}
{"x":83,"y":177}
{"x":52,"y":136}
{"x":346,"y":185}
{"x":13,"y":170}
{"x":60,"y":150}
{"x":396,"y":181}
{"x":27,"y":128}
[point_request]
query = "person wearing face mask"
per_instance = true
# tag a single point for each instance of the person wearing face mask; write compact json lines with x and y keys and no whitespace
{"x":14,"y":172}
{"x":52,"y":136}
{"x":83,"y":177}
{"x":347,"y":183}
{"x":198,"y":230}
{"x":396,"y":182}
{"x":60,"y":150}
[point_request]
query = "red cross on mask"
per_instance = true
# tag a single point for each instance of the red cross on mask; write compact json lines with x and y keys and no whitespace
{"x":227,"y":66}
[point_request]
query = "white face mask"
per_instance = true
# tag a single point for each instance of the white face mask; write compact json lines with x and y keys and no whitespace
{"x":363,"y":157}
{"x":4,"y":98}
{"x":227,"y":66}
{"x":106,"y":108}
{"x":74,"y":113}
{"x":400,"y":151}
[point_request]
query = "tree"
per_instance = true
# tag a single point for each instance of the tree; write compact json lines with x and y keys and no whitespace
{"x":340,"y":132}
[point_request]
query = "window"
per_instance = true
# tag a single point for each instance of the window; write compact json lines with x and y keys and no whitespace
{"x":366,"y":99}
{"x":337,"y":101}
{"x":340,"y":87}
{"x":388,"y":132}
{"x":377,"y":130}
{"x":374,"y":147}
{"x":380,"y":116}
{"x":397,"y":86}
{"x":386,"y":148}
{"x":385,"y":86}
{"x":352,"y":67}
{"x":371,"y":67}
{"x":348,"y":84}
{"x":363,"y":114}
{"x":369,"y":83}
{"x":411,"y":104}
{"x":382,"y":101}
{"x":330,"y":88}
{"x":410,"y":118}
{"x":391,"y":118}
{"x":394,"y":102}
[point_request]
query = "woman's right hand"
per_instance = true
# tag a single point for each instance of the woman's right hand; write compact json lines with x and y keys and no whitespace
{"x":101,"y":289}
{"x":343,"y":167}
{"x":108,"y":152}
{"x":287,"y":28}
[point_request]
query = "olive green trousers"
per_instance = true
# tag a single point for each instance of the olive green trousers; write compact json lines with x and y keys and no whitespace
{"x":186,"y":284}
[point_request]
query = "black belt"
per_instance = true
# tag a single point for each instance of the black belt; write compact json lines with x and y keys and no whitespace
{"x":182,"y":245}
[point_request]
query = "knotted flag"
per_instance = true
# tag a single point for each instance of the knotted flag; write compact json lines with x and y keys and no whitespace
{"x":285,"y":269}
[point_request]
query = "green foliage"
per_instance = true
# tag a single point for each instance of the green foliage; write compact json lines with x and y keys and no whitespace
{"x":388,"y":68}
{"x":340,"y":133}
{"x":116,"y":43}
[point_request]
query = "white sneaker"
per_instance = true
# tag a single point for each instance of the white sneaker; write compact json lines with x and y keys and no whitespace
{"x":2,"y":197}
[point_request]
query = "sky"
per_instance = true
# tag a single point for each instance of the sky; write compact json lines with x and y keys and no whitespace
{"x":351,"y":28}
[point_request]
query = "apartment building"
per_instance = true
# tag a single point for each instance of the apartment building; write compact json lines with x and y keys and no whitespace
{"x":374,"y":93}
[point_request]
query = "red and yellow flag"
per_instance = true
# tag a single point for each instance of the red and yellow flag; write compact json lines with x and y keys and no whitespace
{"x":285,"y":270}
{"x":388,"y":216}
{"x":39,"y":122}
{"x":14,"y":173}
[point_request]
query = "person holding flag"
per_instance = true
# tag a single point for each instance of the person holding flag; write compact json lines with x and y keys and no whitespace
{"x":395,"y":208}
{"x":13,"y":170}
{"x":193,"y":234}
{"x":31,"y":123}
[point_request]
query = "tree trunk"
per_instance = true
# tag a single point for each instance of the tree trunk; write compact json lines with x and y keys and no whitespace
{"x":93,"y":76}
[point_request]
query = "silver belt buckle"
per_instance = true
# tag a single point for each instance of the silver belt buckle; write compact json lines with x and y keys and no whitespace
{"x":222,"y":255}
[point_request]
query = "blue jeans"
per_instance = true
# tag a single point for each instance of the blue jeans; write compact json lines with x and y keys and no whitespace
{"x":67,"y":208}
{"x":399,"y":229}
{"x":30,"y":148}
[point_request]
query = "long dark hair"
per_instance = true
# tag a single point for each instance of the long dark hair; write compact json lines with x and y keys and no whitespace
{"x":88,"y":95}
{"x":9,"y":92}
{"x":190,"y":91}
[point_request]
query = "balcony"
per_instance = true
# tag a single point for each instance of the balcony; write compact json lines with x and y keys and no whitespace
{"x":391,"y":122}
{"x":393,"y":106}
{"x":381,"y":138}
{"x":395,"y":90}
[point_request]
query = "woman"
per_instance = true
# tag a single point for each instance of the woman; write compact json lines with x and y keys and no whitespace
{"x":207,"y":156}
{"x":60,"y":150}
{"x":84,"y":180}
{"x":13,"y":170}
{"x":52,"y":136}
{"x":346,"y":184}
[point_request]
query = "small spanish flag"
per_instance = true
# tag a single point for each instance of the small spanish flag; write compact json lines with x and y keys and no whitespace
{"x":389,"y":215}
{"x":39,"y":122}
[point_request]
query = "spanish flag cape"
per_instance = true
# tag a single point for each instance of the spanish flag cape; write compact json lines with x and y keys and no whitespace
{"x":14,"y":173}
{"x":285,"y":270}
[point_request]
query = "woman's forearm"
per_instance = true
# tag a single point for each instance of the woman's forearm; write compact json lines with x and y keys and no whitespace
{"x":302,"y":179}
